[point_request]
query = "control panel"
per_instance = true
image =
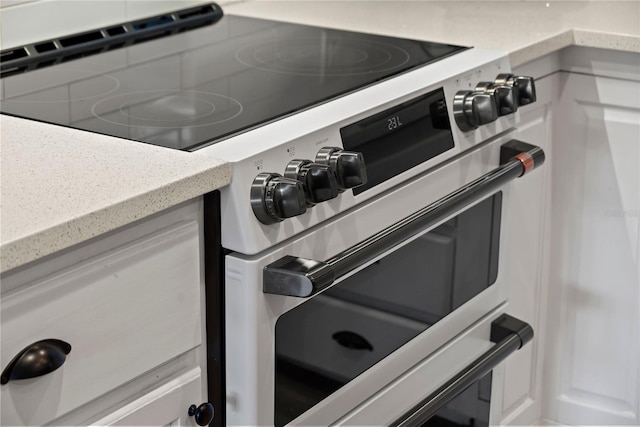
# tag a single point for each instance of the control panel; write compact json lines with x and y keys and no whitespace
{"x":421,"y":124}
{"x":490,"y":100}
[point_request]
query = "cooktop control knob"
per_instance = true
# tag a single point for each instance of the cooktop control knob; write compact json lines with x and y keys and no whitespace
{"x":473,"y":109}
{"x":318,"y":180}
{"x":506,"y":96}
{"x":348,"y":166}
{"x":524,"y":86}
{"x":274,"y":198}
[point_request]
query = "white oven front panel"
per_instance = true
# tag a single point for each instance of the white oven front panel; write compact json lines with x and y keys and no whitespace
{"x":251,"y":315}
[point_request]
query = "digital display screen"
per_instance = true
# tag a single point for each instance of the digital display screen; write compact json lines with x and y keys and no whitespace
{"x":401,"y":137}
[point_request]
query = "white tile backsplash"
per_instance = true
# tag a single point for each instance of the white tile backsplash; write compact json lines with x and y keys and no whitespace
{"x":8,"y":3}
{"x":26,"y":21}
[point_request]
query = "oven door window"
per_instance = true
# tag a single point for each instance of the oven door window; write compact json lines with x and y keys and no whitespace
{"x":329,"y":340}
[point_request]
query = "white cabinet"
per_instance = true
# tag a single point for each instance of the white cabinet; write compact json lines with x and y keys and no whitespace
{"x":593,"y":357}
{"x":129,"y":304}
{"x":578,"y":281}
{"x":576,"y":270}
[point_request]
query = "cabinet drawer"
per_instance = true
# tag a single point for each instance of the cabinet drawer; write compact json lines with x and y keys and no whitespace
{"x":168,"y":405}
{"x":123,"y":312}
{"x":345,"y":341}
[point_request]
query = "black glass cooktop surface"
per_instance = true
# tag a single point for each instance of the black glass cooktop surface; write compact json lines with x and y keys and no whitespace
{"x":189,"y":89}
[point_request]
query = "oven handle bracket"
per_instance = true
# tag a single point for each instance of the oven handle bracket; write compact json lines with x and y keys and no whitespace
{"x":509,"y":334}
{"x":301,"y":277}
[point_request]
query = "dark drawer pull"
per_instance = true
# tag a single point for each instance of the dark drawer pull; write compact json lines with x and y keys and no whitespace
{"x":509,"y":334}
{"x":302,"y":277}
{"x":36,"y":360}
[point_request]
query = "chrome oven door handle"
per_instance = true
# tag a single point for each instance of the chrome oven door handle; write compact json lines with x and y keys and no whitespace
{"x":300,"y":277}
{"x":509,"y":334}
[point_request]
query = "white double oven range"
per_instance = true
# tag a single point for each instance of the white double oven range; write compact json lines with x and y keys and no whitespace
{"x":354,"y":266}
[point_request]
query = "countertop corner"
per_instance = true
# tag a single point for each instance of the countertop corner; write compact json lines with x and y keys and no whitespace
{"x":526,"y":30}
{"x":60,"y":186}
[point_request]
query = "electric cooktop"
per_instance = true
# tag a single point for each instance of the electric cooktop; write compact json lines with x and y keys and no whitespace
{"x":192,"y":88}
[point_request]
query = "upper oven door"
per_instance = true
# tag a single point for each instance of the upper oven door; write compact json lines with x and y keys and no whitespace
{"x":334,"y":337}
{"x":408,"y":271}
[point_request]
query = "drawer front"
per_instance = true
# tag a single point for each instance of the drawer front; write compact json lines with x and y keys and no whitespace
{"x":123,"y":313}
{"x":168,"y":405}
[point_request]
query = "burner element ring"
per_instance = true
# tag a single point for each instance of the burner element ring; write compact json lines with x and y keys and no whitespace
{"x":166,"y":109}
{"x":324,"y":56}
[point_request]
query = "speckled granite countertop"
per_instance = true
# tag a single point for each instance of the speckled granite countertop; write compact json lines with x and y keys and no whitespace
{"x":52,"y":198}
{"x":525,"y":29}
{"x":60,"y":186}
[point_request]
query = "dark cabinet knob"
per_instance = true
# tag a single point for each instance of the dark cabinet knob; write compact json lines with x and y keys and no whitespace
{"x":36,"y":360}
{"x":203,"y":414}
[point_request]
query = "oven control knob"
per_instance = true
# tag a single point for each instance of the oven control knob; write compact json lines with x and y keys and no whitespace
{"x":348,"y":166}
{"x":524,"y":86}
{"x":506,"y":96}
{"x":274,"y":198}
{"x":318,"y":180}
{"x":472,"y":109}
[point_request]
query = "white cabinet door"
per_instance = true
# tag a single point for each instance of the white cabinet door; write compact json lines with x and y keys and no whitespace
{"x":130,"y":305}
{"x":123,"y":312}
{"x":593,"y":370}
{"x":519,"y":403}
{"x":168,"y":405}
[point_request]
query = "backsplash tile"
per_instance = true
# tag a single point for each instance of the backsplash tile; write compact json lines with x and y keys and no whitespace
{"x":27,"y":21}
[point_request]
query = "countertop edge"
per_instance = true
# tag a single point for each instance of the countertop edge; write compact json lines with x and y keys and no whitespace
{"x":536,"y":41}
{"x":574,"y":37}
{"x":45,"y":242}
{"x":54,"y":196}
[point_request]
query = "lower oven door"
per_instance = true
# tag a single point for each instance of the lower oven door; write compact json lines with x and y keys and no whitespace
{"x":456,"y":380}
{"x":319,"y":326}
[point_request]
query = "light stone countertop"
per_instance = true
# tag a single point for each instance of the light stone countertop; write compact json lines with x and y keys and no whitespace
{"x":59,"y":186}
{"x":525,"y":29}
